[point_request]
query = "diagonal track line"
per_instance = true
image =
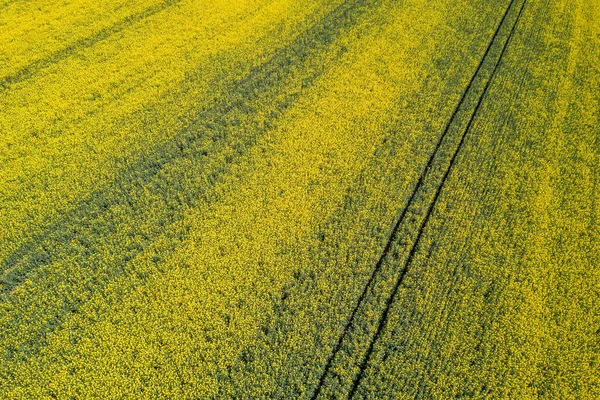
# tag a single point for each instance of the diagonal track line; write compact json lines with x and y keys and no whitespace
{"x":413,"y":249}
{"x":418,"y":187}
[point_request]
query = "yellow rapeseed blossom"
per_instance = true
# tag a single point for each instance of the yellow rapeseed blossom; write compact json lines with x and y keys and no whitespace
{"x":299,"y":199}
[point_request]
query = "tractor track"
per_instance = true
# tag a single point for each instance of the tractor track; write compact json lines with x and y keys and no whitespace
{"x":401,"y":225}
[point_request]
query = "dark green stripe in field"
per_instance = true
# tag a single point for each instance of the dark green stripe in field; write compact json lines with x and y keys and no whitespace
{"x":33,"y":68}
{"x":110,"y":228}
{"x":344,"y":369}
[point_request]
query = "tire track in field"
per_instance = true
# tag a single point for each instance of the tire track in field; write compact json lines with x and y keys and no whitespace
{"x":449,"y":306}
{"x":162,"y":172}
{"x":34,"y":67}
{"x":413,"y":249}
{"x":419,"y":207}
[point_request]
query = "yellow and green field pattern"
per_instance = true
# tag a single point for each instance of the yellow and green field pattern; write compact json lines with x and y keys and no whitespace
{"x":259,"y":199}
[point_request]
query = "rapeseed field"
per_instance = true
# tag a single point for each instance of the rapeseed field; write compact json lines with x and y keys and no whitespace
{"x":299,"y":199}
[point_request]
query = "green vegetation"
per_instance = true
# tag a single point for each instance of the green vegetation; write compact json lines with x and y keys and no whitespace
{"x":299,"y":199}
